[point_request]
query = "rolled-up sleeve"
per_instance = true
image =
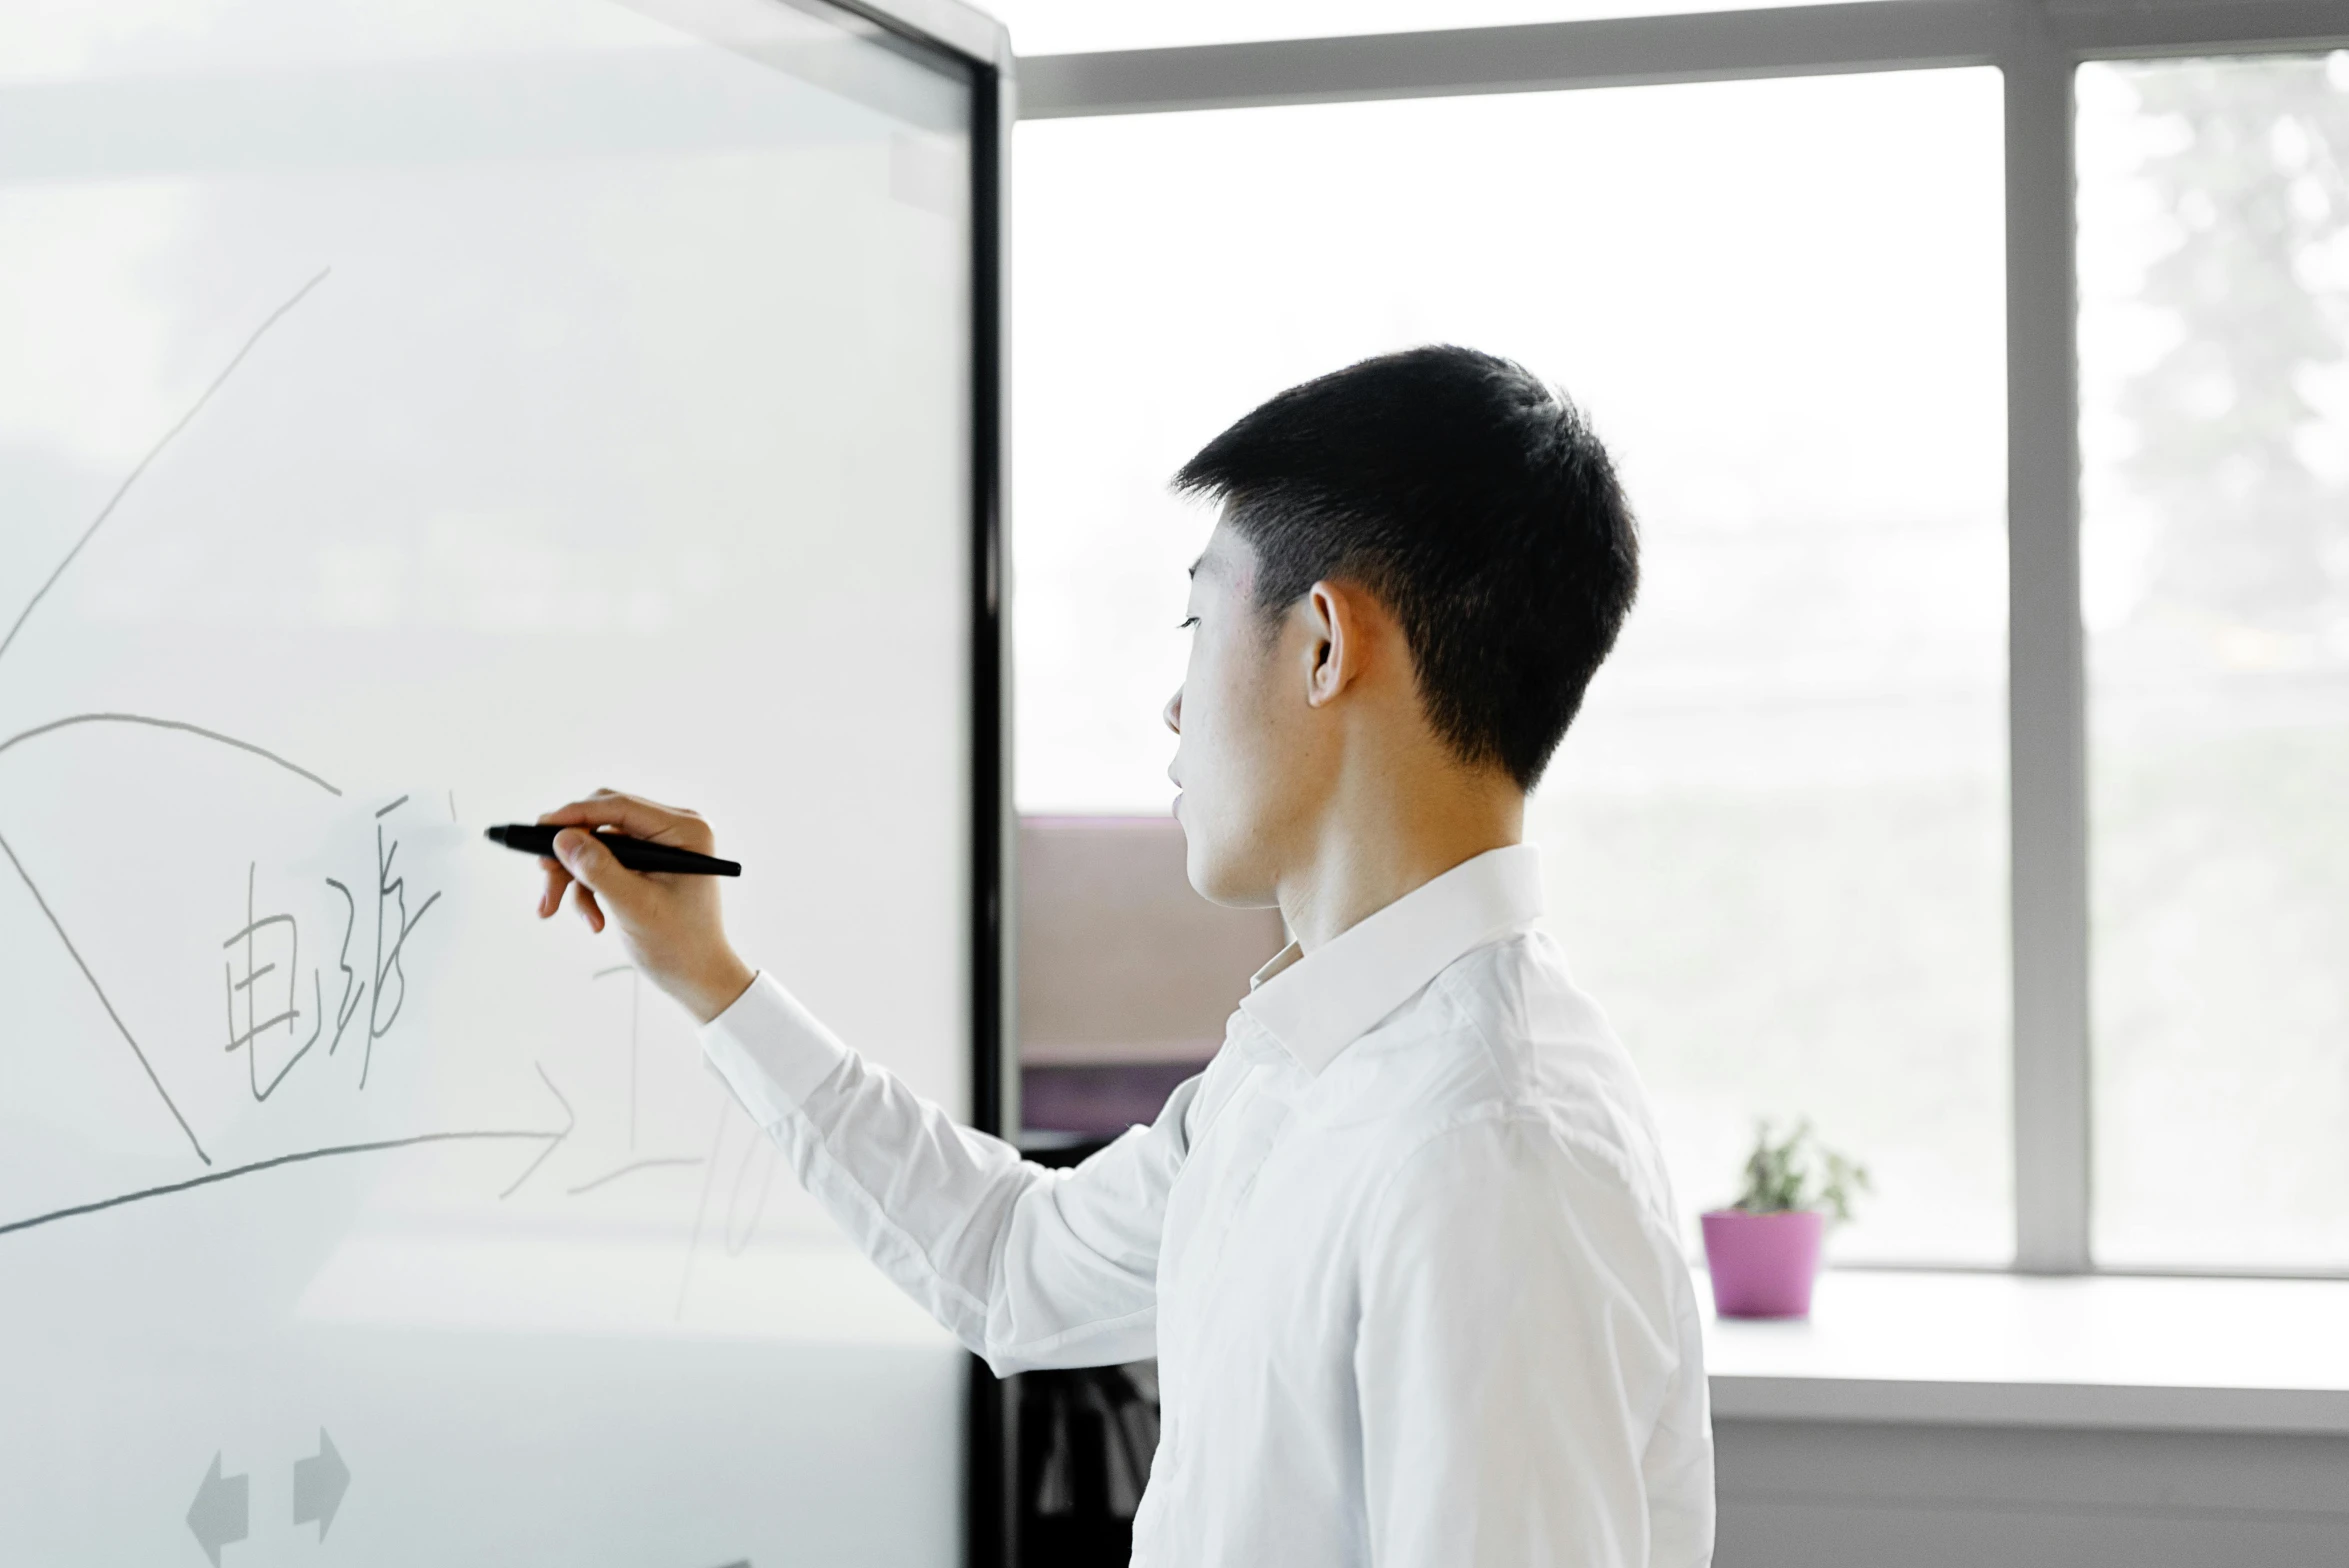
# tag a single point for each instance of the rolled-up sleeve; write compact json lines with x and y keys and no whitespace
{"x":1521,"y":1341}
{"x":1027,"y":1266}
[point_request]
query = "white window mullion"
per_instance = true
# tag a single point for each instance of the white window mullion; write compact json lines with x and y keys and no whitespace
{"x":2046,"y":675}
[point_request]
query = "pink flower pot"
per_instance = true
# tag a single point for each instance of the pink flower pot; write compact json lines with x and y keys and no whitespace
{"x":1763,"y":1264}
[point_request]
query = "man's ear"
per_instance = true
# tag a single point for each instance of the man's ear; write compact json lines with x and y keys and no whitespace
{"x":1336,"y":639}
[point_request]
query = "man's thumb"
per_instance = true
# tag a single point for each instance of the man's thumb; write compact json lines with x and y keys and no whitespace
{"x":586,"y":859}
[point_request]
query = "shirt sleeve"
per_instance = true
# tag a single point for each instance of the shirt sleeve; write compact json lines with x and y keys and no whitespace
{"x":1027,"y":1266}
{"x":1520,"y":1343}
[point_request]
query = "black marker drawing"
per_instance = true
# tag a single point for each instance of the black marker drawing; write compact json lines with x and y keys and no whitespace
{"x":632,"y":1167}
{"x":570,"y":1120}
{"x":150,"y":722}
{"x":155,"y":452}
{"x":262,"y":971}
{"x":353,"y":986}
{"x":635,"y":1026}
{"x":249,"y":1039}
{"x":760,"y":1154}
{"x":122,"y":1028}
{"x":701,"y":1209}
{"x":552,"y":1139}
{"x":389,"y":890}
{"x":9,"y":641}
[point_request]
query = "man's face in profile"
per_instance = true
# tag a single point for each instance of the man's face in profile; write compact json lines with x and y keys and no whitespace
{"x":1241,"y":760}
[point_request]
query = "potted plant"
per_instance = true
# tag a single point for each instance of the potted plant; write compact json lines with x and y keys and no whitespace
{"x":1763,"y":1250}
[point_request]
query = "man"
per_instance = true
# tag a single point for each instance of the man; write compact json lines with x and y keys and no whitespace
{"x":1405,"y":1250}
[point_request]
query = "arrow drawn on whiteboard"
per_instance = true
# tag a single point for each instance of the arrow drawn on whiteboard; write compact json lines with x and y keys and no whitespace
{"x":303,"y":1156}
{"x":570,"y":1120}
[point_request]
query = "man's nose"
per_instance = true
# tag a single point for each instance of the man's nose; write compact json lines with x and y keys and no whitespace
{"x":1173,"y":713}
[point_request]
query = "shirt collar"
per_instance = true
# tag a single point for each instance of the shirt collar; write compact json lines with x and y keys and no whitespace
{"x":1316,"y":1004}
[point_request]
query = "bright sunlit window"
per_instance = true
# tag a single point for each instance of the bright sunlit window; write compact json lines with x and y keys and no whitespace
{"x":1776,"y":839}
{"x":2214,"y":316}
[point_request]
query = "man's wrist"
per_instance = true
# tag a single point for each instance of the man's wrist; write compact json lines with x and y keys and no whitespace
{"x":711,"y":992}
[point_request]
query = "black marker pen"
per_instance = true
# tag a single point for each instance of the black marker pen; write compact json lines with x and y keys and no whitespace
{"x":635,"y":853}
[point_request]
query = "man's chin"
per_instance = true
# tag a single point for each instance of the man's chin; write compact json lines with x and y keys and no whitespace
{"x":1216,"y":882}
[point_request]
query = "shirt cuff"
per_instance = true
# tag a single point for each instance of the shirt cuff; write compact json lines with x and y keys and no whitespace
{"x":771,"y":1051}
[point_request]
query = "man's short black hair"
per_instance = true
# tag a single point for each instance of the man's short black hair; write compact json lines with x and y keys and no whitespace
{"x":1474,"y":501}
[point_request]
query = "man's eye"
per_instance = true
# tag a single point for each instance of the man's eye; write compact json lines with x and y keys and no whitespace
{"x":1186,"y":623}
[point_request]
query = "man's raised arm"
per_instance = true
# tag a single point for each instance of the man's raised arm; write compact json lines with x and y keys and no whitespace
{"x":1028,"y":1267}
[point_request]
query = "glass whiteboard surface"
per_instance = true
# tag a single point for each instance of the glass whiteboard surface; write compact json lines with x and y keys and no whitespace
{"x":416,"y":415}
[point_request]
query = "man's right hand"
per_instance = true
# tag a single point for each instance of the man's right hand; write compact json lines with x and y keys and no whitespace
{"x":671,"y":925}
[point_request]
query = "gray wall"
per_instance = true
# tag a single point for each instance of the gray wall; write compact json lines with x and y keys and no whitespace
{"x":1824,"y":1495}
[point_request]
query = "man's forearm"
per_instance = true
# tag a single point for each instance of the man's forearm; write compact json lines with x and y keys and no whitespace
{"x":1020,"y":1263}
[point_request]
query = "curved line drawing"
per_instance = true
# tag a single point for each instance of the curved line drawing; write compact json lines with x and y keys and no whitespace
{"x":122,"y":490}
{"x":131,"y":1040}
{"x":631,"y":1168}
{"x":151,"y":722}
{"x":153,"y":453}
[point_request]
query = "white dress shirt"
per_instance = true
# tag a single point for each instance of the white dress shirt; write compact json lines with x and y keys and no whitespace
{"x":1404,"y":1252}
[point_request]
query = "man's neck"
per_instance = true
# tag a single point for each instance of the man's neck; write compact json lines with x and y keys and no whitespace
{"x":1365,"y":858}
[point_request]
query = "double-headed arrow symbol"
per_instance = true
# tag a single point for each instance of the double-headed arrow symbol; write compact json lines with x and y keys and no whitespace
{"x":222,"y":1514}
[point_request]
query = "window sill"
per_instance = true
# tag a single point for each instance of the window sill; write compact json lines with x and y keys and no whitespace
{"x":2189,"y":1355}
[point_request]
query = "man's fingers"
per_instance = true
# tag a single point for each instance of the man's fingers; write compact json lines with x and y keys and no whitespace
{"x":584,"y":856}
{"x":591,"y":867}
{"x":550,"y":897}
{"x":636,"y":817}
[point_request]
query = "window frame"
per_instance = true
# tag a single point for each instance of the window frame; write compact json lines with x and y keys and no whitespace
{"x":2038,"y":46}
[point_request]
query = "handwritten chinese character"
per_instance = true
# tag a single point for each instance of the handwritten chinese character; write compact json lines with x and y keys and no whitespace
{"x":270,"y":991}
{"x":393,"y":923}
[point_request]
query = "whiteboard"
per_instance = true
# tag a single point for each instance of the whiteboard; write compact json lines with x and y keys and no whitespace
{"x":416,"y":415}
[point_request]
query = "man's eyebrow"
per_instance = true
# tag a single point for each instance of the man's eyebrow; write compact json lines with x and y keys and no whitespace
{"x":1193,"y":569}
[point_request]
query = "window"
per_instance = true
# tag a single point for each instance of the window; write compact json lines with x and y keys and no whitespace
{"x":1776,"y":840}
{"x":2214,"y":340}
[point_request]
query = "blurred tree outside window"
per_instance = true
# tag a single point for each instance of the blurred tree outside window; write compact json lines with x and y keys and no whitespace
{"x":2214,"y":337}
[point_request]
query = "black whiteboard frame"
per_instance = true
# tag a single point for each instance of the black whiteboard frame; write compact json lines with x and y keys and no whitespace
{"x":980,"y":52}
{"x":991,"y":1442}
{"x":965,"y":43}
